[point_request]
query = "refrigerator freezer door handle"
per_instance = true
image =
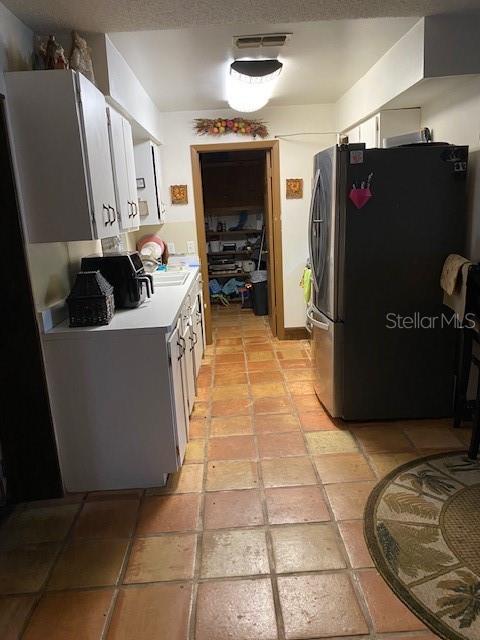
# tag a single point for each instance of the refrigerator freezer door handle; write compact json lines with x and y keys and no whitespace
{"x":316,"y":323}
{"x":312,"y":221}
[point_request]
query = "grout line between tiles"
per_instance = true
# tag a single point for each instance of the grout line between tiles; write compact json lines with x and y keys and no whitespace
{"x":41,"y":592}
{"x":287,"y":379}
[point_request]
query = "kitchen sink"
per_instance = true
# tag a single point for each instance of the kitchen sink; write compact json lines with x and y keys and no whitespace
{"x":166,"y":279}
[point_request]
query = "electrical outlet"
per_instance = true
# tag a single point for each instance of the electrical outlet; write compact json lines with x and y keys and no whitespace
{"x":190,"y":246}
{"x":171,"y":247}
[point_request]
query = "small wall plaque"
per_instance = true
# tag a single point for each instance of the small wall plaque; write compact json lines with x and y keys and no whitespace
{"x":179,"y":194}
{"x":140,"y":183}
{"x":294,"y":188}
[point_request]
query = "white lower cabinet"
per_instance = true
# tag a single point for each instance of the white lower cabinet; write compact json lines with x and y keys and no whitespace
{"x":121,"y":396}
{"x":176,"y":354}
{"x":199,"y":332}
{"x":188,"y":363}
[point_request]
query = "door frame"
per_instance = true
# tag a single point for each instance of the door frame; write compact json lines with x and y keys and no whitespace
{"x":273,"y":147}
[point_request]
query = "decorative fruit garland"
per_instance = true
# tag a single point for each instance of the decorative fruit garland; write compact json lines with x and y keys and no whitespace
{"x":221,"y":126}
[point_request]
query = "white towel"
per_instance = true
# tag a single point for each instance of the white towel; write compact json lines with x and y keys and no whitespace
{"x":454,"y":283}
{"x":450,"y":272}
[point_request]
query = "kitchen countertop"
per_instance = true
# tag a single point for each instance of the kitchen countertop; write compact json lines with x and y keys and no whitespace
{"x":157,"y":313}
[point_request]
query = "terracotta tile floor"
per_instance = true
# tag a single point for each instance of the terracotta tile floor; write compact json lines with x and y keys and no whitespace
{"x":258,"y":537}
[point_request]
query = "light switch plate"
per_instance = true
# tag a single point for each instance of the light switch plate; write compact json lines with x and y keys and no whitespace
{"x":190,"y":246}
{"x":171,"y":247}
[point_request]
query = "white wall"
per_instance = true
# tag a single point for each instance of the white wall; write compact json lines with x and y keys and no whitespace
{"x":15,"y":44}
{"x":455,"y":118}
{"x":396,"y":71}
{"x":117,"y":81}
{"x":430,"y":59}
{"x":296,"y":161}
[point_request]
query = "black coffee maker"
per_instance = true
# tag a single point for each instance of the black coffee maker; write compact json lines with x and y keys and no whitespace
{"x":126,"y":273}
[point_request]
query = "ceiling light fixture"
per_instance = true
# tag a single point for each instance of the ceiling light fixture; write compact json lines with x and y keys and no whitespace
{"x":251,"y":82}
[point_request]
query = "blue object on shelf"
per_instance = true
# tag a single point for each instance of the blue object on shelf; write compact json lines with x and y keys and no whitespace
{"x":242,"y":219}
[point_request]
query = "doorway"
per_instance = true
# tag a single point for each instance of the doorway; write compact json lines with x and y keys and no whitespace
{"x":237,"y":204}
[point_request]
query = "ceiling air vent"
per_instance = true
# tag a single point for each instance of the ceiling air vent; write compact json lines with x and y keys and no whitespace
{"x":261,"y":40}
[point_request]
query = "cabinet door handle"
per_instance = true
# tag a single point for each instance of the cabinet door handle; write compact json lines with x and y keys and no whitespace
{"x":182,"y":346}
{"x":107,"y":221}
{"x":130,"y":209}
{"x":135,"y":209}
{"x":114,"y":213}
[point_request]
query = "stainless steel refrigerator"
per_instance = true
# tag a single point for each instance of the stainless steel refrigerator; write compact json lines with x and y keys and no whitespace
{"x":382,"y":222}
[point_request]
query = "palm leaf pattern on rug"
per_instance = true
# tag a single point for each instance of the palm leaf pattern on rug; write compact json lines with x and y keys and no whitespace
{"x":427,"y":479}
{"x":406,"y":548}
{"x":460,"y":467}
{"x":464,"y":603}
{"x":407,"y":503}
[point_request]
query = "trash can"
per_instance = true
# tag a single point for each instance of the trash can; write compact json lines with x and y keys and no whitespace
{"x":259,"y":283}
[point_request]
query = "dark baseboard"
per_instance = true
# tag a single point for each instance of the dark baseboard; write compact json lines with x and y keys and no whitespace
{"x":295,"y":333}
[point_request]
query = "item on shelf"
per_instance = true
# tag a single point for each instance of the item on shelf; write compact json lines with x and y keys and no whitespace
{"x":229,"y":246}
{"x":81,"y":57}
{"x":215,"y":246}
{"x":242,"y":219}
{"x":229,"y":266}
{"x":91,"y":301}
{"x":219,"y":226}
{"x":248,"y":266}
{"x":38,"y":58}
{"x":52,"y":53}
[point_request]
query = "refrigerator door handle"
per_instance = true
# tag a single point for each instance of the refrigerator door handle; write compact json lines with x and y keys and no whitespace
{"x":316,"y":323}
{"x":312,"y":220}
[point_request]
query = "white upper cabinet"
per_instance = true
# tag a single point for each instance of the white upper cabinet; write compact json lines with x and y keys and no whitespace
{"x":62,"y":151}
{"x":121,"y":146}
{"x":149,"y":183}
{"x":131,"y":172}
{"x":387,"y":123}
{"x":369,"y":132}
{"x":396,"y":122}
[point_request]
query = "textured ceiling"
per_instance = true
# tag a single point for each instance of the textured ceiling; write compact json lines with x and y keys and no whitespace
{"x":186,"y":69}
{"x":133,"y":15}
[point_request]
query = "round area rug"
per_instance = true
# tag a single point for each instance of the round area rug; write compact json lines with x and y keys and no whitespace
{"x":422,"y":527}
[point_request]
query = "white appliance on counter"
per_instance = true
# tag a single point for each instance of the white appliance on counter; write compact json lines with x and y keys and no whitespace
{"x":121,"y":394}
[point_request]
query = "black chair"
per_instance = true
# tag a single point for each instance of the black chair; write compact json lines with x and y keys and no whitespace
{"x":469,"y":336}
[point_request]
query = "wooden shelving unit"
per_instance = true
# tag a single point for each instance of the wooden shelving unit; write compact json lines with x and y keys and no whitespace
{"x":231,"y":211}
{"x":217,"y":254}
{"x":226,"y":274}
{"x":239,"y":232}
